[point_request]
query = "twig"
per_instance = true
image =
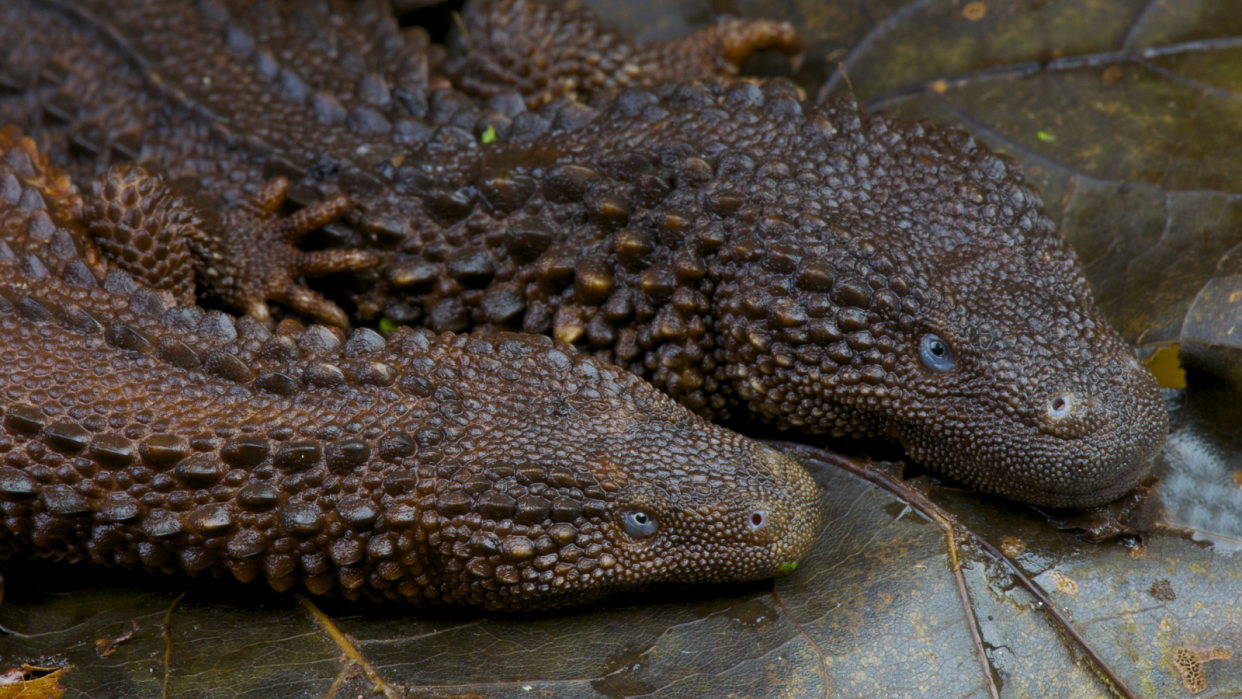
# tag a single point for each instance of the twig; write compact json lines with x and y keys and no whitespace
{"x":934,"y":512}
{"x":346,"y":644}
{"x":819,"y":652}
{"x":168,"y":643}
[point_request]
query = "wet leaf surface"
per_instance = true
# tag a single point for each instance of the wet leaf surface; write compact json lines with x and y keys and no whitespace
{"x":1126,"y":114}
{"x":874,"y":611}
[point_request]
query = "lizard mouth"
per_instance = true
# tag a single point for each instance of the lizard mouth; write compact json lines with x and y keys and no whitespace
{"x":1093,"y":494}
{"x":1049,"y":470}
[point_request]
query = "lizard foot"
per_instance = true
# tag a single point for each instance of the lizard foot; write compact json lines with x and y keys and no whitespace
{"x":245,"y":256}
{"x":504,"y":47}
{"x":29,"y":167}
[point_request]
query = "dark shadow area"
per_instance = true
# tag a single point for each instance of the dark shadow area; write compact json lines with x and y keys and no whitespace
{"x":437,"y":19}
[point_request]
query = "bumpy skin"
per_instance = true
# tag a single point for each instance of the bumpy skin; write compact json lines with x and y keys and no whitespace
{"x":730,"y":243}
{"x":245,"y":254}
{"x":494,"y":471}
{"x":544,"y":53}
{"x":223,"y":95}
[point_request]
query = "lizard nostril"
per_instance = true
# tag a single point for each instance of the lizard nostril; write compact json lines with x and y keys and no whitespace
{"x":1061,"y":406}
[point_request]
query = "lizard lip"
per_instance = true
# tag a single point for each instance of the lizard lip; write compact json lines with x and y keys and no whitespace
{"x":1107,"y":490}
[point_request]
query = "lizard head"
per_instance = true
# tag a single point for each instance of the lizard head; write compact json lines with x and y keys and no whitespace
{"x":1018,"y":385}
{"x":918,"y":291}
{"x":636,"y":492}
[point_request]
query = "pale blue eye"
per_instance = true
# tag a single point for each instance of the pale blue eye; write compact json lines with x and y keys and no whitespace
{"x":638,"y":524}
{"x":936,"y":354}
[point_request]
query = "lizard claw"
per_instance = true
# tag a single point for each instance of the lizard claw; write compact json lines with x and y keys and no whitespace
{"x":268,"y":245}
{"x":245,"y":255}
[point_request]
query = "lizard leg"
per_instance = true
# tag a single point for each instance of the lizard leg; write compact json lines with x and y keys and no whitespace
{"x":278,"y":265}
{"x":506,"y":45}
{"x":245,"y":256}
{"x":143,"y":226}
{"x":29,"y":167}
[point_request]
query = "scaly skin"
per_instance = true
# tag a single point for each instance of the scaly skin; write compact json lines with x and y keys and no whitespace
{"x":732,"y":244}
{"x":545,"y":53}
{"x":495,"y":470}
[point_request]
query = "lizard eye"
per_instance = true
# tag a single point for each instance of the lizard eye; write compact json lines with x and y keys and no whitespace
{"x":639,"y":524}
{"x":936,"y":354}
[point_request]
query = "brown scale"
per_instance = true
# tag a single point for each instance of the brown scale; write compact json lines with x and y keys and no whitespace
{"x":167,"y":241}
{"x":503,"y":46}
{"x":736,"y":246}
{"x":506,"y":470}
{"x":794,"y":258}
{"x":258,"y":89}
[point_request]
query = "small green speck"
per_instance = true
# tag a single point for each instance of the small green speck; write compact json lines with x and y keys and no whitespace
{"x":388,"y":325}
{"x":787,"y":568}
{"x":489,"y":135}
{"x":1045,"y":136}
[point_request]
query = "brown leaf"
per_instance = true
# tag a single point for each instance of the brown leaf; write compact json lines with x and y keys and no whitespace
{"x":1126,"y":115}
{"x":32,"y":683}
